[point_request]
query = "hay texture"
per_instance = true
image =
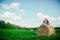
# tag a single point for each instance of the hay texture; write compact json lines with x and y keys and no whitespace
{"x":46,"y":30}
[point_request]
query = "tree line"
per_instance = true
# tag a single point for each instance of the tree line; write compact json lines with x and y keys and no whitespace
{"x":7,"y":25}
{"x":4,"y":25}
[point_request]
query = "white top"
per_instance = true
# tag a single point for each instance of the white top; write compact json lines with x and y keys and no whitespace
{"x":45,"y":21}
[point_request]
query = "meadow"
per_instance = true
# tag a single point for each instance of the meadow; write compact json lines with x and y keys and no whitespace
{"x":23,"y":34}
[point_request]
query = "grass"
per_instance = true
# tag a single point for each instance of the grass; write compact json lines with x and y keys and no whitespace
{"x":7,"y":34}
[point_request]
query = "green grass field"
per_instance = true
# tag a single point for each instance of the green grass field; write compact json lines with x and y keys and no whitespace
{"x":7,"y":34}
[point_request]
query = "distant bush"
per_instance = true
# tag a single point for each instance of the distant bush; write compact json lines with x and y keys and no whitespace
{"x":57,"y":27}
{"x":4,"y":25}
{"x":7,"y":25}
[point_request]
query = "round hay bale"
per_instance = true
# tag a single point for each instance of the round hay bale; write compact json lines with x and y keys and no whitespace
{"x":46,"y":30}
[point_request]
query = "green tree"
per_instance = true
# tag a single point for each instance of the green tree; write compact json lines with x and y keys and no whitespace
{"x":2,"y":24}
{"x":12,"y":26}
{"x":8,"y":25}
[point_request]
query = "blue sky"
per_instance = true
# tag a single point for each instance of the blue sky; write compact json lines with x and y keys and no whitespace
{"x":30,"y":13}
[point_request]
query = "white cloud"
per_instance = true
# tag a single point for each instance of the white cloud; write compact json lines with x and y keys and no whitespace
{"x":58,"y":18}
{"x":54,"y":21}
{"x":8,"y":15}
{"x":12,"y":5}
{"x":5,"y":6}
{"x":42,"y":16}
{"x":22,"y":11}
{"x":58,"y":24}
